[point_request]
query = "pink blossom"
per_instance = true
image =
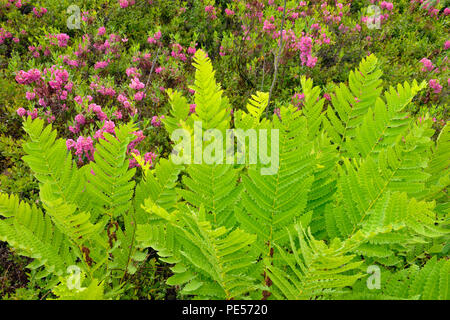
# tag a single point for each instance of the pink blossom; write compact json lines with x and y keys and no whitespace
{"x":33,"y":114}
{"x":434,"y":84}
{"x":101,"y":31}
{"x":70,"y":144}
{"x":447,"y":45}
{"x":139,"y":96}
{"x":101,"y":64}
{"x":21,"y":112}
{"x":229,"y":12}
{"x":62,"y":39}
{"x":156,"y":121}
{"x":84,"y":146}
{"x":427,"y":64}
{"x":191,"y":51}
{"x":30,"y":95}
{"x":80,"y":120}
{"x":136,"y":84}
{"x":386,"y":5}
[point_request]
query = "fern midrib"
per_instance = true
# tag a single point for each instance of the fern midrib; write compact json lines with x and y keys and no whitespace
{"x":213,"y":188}
{"x":378,"y":195}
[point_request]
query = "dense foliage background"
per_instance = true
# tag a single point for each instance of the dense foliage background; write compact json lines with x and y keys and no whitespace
{"x":89,"y":67}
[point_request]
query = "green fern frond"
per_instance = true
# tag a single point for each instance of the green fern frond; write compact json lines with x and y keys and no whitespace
{"x":313,"y":269}
{"x":257,"y":104}
{"x":212,"y":262}
{"x":94,"y":291}
{"x":159,"y":185}
{"x":324,"y":185}
{"x":400,"y":168}
{"x":109,"y":178}
{"x":430,"y":282}
{"x":52,"y":164}
{"x":215,"y":187}
{"x":439,"y":171}
{"x":270,"y":203}
{"x":179,"y":111}
{"x":312,"y":106}
{"x":70,"y":221}
{"x":212,"y":109}
{"x":352,"y":102}
{"x":385,"y":123}
{"x":33,"y":235}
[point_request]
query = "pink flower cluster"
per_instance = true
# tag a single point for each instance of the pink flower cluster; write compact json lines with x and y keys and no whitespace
{"x":126,"y":104}
{"x":447,"y":45}
{"x":432,"y":11}
{"x":177,"y":52}
{"x":50,"y":87}
{"x":434,"y":84}
{"x":156,"y":121}
{"x":136,"y":84}
{"x":427,"y":65}
{"x":101,"y":31}
{"x":24,"y":77}
{"x":39,"y":13}
{"x":126,"y":3}
{"x":83,"y":146}
{"x":63,"y":39}
{"x":387,"y":5}
{"x":108,"y":127}
{"x":4,"y":35}
{"x":229,"y":12}
{"x":17,"y":3}
{"x":269,"y":26}
{"x":211,"y":11}
{"x":95,"y":108}
{"x":22,"y":112}
{"x":305,"y":46}
{"x":102,"y":64}
{"x":155,"y":38}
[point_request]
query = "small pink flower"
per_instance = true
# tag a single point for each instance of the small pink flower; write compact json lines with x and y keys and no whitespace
{"x":427,"y":65}
{"x":434,"y":84}
{"x":62,"y":39}
{"x":136,"y":84}
{"x":101,"y":31}
{"x":21,"y":112}
{"x":139,"y":96}
{"x":156,"y":122}
{"x":447,"y":45}
{"x":80,"y":120}
{"x":30,"y":95}
{"x":229,"y":12}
